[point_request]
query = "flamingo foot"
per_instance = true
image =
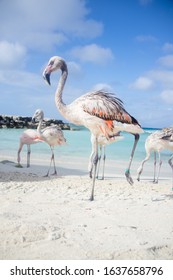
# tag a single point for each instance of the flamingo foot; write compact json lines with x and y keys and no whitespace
{"x":128,"y":177}
{"x":102,"y":178}
{"x":155,"y":181}
{"x":18,"y":165}
{"x":90,"y":174}
{"x":54,"y":174}
{"x":139,"y":175}
{"x":92,"y":195}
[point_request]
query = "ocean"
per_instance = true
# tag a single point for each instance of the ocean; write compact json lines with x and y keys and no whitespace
{"x":78,"y":145}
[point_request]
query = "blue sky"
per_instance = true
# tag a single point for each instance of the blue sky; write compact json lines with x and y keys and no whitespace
{"x":124,"y":46}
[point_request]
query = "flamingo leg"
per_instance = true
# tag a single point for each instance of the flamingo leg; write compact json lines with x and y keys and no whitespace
{"x":28,"y":155}
{"x":90,"y":165}
{"x":95,"y":161}
{"x":99,"y":160}
{"x":155,"y":163}
{"x":140,"y":169}
{"x":158,"y":173}
{"x":49,"y":168}
{"x":171,"y":164}
{"x":18,"y":155}
{"x":90,"y":173}
{"x":104,"y":158}
{"x":127,"y":172}
{"x":52,"y":159}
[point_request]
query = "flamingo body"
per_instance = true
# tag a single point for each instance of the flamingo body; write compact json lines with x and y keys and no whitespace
{"x":90,"y":110}
{"x":156,"y":142}
{"x":101,"y":112}
{"x":28,"y":137}
{"x":52,"y":135}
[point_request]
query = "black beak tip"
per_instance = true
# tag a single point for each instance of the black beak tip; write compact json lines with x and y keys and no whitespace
{"x":46,"y":76}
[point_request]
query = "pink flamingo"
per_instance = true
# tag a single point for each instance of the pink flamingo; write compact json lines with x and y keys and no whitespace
{"x":28,"y":137}
{"x":52,"y":135}
{"x":102,"y":142}
{"x":99,"y":111}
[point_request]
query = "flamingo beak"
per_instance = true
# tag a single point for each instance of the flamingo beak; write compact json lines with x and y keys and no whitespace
{"x":46,"y":76}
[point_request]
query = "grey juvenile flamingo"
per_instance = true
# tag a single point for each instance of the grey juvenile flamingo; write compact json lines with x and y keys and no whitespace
{"x":52,"y":135}
{"x":158,"y":141}
{"x":101,"y":112}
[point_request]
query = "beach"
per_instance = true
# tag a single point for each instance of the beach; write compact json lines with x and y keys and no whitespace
{"x":52,"y":217}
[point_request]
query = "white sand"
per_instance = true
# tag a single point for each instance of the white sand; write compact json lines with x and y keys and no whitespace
{"x":52,"y":218}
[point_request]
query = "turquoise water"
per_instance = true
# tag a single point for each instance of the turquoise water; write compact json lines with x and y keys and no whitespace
{"x":78,"y":145}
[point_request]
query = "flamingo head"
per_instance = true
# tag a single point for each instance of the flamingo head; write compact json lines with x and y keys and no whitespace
{"x":62,"y":141}
{"x":38,"y":115}
{"x":54,"y":64}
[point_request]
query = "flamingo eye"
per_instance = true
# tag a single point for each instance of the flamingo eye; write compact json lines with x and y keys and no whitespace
{"x":51,"y":63}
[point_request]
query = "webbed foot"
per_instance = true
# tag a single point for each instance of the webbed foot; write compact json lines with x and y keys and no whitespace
{"x":128,"y":177}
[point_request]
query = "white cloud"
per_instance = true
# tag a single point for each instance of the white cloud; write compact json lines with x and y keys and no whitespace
{"x":74,"y":67}
{"x":74,"y":70}
{"x":27,"y":21}
{"x":21,"y":79}
{"x":164,"y":77}
{"x":11,"y":54}
{"x":168,"y":47}
{"x":102,"y":86}
{"x":166,"y":61}
{"x":162,"y":81}
{"x":146,"y":38}
{"x":93,"y":53}
{"x":167,"y":96}
{"x":142,"y":83}
{"x":153,"y":78}
{"x":44,"y":41}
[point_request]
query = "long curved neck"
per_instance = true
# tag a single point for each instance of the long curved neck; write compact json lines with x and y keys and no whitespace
{"x":39,"y":126}
{"x":58,"y":94}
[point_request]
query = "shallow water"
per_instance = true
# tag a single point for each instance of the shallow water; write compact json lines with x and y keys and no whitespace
{"x":75,"y":154}
{"x":78,"y":145}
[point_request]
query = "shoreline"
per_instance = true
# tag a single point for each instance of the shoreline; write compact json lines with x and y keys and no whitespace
{"x":79,"y":165}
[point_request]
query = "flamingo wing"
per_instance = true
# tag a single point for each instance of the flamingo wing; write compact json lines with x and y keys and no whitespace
{"x":53,"y":135}
{"x":167,"y":134}
{"x":107,"y":107}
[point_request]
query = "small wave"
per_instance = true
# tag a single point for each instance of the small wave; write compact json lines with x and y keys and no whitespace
{"x":151,"y":130}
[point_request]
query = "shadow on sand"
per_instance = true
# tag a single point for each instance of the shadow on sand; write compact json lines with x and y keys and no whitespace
{"x":9,"y":172}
